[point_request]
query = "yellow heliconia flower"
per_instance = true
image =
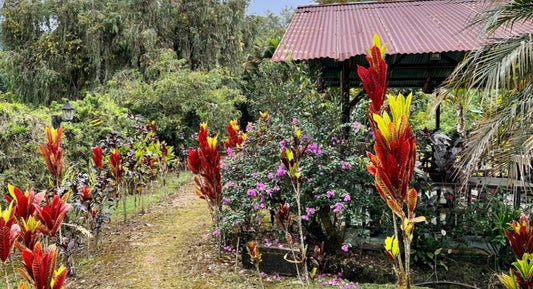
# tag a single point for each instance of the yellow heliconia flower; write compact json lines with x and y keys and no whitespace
{"x":31,"y":224}
{"x":297,"y":132}
{"x":399,"y":105}
{"x":392,"y":246}
{"x":203,"y":125}
{"x":383,"y":125}
{"x":377,"y":42}
{"x":6,"y":215}
{"x":212,"y":142}
{"x":56,"y":274}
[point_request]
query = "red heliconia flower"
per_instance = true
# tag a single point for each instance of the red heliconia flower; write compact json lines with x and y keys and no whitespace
{"x":52,"y":214}
{"x":24,"y":202}
{"x":30,"y":232}
{"x":283,"y":215}
{"x":205,"y":164}
{"x":85,"y":194}
{"x":40,"y":268}
{"x":235,"y":136}
{"x":9,"y":232}
{"x":520,"y":237}
{"x":115,"y":164}
{"x":53,"y":153}
{"x":374,"y":77}
{"x":98,"y":158}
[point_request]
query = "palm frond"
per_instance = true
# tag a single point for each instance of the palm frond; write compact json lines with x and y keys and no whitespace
{"x":498,"y":65}
{"x":505,"y":136}
{"x":504,"y":14}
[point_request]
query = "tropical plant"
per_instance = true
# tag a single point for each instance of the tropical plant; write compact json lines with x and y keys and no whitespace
{"x":52,"y":154}
{"x":393,"y":161}
{"x":9,"y":232}
{"x":204,"y":162}
{"x":501,"y":71}
{"x":39,"y":268}
{"x":255,"y":258}
{"x":51,"y":214}
{"x":520,"y":236}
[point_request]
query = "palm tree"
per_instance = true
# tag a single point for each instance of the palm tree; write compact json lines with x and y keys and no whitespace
{"x":502,"y":72}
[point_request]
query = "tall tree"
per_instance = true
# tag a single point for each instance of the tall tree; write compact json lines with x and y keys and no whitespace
{"x":503,"y":72}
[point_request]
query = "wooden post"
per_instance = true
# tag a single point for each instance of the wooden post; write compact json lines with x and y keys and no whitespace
{"x":345,"y":92}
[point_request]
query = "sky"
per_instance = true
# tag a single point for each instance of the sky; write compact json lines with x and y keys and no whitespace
{"x":260,"y":7}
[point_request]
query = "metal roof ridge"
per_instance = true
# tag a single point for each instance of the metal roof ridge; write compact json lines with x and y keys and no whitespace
{"x":367,"y":2}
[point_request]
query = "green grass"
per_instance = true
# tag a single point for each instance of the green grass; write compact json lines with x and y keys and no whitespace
{"x":151,"y":195}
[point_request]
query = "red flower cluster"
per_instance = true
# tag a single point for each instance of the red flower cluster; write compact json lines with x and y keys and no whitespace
{"x":204,"y":162}
{"x":374,"y":78}
{"x":520,"y":237}
{"x":116,"y":166}
{"x":98,"y":158}
{"x":53,"y":153}
{"x":235,"y":136}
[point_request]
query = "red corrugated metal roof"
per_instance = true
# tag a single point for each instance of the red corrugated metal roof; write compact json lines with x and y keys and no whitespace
{"x":341,"y":31}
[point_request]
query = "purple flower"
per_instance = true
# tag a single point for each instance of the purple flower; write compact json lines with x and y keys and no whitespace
{"x":305,"y":218}
{"x":260,"y":186}
{"x":276,"y":188}
{"x":249,"y":127}
{"x":281,"y":171}
{"x":357,"y":126}
{"x":227,"y":200}
{"x":229,"y":151}
{"x":283,"y":145}
{"x":269,"y":193}
{"x":270,"y":175}
{"x":230,"y":184}
{"x":216,"y":233}
{"x":337,"y":208}
{"x":256,"y":207}
{"x":252,"y":193}
{"x":310,"y":211}
{"x":346,"y":166}
{"x":294,"y":121}
{"x":345,"y":248}
{"x":309,"y":180}
{"x":330,"y":194}
{"x":254,"y":175}
{"x":347,"y":198}
{"x":314,"y":149}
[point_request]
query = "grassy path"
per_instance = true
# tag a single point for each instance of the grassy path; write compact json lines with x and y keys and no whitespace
{"x":168,"y":247}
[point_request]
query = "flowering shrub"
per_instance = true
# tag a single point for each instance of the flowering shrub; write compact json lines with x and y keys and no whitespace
{"x":334,"y":187}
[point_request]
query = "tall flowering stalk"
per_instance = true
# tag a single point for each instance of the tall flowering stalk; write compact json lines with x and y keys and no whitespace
{"x":117,"y":171}
{"x":291,"y":158}
{"x":98,"y":158}
{"x":204,"y":162}
{"x":393,"y":161}
{"x":255,"y":258}
{"x":52,"y":153}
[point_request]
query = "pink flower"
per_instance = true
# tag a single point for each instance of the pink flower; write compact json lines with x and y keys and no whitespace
{"x":229,"y":151}
{"x":330,"y":194}
{"x":345,"y":248}
{"x":305,"y":218}
{"x":270,"y":175}
{"x":260,"y":186}
{"x":252,"y":193}
{"x":216,"y":233}
{"x":227,"y":200}
{"x":346,"y":166}
{"x":347,"y":198}
{"x":337,"y":208}
{"x":254,"y":175}
{"x":309,"y":211}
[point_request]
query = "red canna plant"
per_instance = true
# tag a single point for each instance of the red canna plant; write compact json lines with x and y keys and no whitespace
{"x":53,"y":213}
{"x":235,"y":136}
{"x":98,"y":158}
{"x":52,"y":153}
{"x":24,"y":202}
{"x":204,"y":162}
{"x":40,"y":268}
{"x":393,"y":162}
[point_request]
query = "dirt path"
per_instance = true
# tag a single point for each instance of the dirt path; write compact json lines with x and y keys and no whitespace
{"x":168,"y":247}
